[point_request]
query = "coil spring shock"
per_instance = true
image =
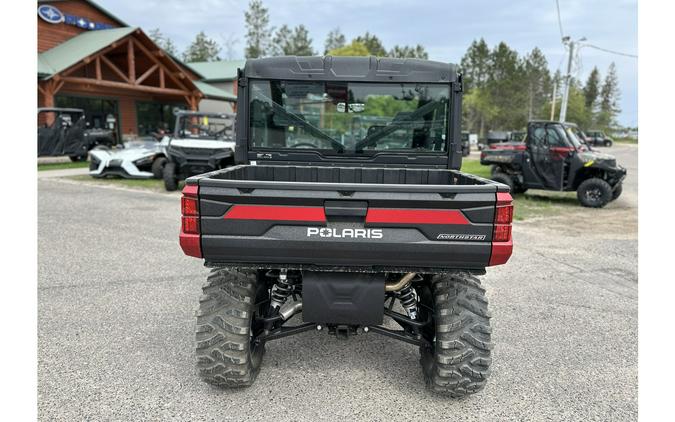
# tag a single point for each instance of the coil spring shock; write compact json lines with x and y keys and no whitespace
{"x":281,"y":290}
{"x":408,"y":300}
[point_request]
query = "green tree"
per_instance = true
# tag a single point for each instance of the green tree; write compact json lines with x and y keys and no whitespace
{"x":292,"y":43}
{"x":162,"y":41}
{"x":334,"y":40}
{"x":373,"y":44}
{"x":475,"y":64}
{"x":258,"y":31}
{"x":538,"y":80}
{"x":505,"y":87}
{"x":609,"y":99}
{"x":354,"y":49}
{"x":302,"y":44}
{"x":282,"y":43}
{"x":202,"y":49}
{"x":592,"y":88}
{"x":406,"y":51}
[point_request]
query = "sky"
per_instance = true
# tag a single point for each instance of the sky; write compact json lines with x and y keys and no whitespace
{"x":444,"y":28}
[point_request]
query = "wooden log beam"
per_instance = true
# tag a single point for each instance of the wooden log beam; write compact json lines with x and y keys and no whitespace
{"x":123,"y":85}
{"x":114,"y":68}
{"x":162,"y":84}
{"x":99,"y":76}
{"x":131,"y":61}
{"x":147,"y":73}
{"x":168,"y":72}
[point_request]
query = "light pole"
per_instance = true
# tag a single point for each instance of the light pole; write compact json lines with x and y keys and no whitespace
{"x":568,"y":76}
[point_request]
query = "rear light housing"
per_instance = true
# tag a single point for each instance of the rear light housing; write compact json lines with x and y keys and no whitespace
{"x":190,"y":239}
{"x":502,"y":243}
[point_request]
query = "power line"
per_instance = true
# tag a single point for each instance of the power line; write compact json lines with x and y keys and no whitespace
{"x":611,"y":51}
{"x":557,"y":6}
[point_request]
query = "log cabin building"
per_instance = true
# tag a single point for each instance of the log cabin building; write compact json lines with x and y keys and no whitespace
{"x":90,"y":59}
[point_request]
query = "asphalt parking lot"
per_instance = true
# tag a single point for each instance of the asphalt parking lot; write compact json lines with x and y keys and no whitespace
{"x":116,"y":301}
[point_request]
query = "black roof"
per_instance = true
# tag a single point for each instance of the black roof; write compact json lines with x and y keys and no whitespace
{"x":334,"y":68}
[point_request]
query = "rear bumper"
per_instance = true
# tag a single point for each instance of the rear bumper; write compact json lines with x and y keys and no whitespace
{"x":426,"y":256}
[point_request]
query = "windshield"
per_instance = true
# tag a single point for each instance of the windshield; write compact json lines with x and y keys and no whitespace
{"x":348,"y":117}
{"x":213,"y":128}
{"x":573,"y":135}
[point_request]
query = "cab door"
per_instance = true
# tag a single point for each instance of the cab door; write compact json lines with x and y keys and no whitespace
{"x":548,"y":151}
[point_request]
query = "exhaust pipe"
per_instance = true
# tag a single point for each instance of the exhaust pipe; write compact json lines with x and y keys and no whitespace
{"x":401,"y":283}
{"x":291,"y":310}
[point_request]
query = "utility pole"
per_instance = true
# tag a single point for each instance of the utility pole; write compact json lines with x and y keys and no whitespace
{"x":568,"y":77}
{"x":553,"y":100}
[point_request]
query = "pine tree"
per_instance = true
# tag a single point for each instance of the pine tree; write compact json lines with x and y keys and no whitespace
{"x":475,"y":64}
{"x":258,"y":31}
{"x":373,"y":44}
{"x":162,"y":41}
{"x":202,"y":49}
{"x":538,"y":80}
{"x":335,"y":39}
{"x":302,"y":44}
{"x":406,"y":51}
{"x":609,"y":99}
{"x":592,"y":89}
{"x":281,"y":43}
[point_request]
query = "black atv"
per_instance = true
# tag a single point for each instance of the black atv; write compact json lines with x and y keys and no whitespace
{"x":202,"y":142}
{"x":553,"y":158}
{"x":68,"y":134}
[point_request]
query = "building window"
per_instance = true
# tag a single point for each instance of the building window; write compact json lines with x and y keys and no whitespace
{"x":153,"y":117}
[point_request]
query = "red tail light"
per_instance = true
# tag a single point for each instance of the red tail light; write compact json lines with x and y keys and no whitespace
{"x":190,"y":239}
{"x":188,"y":206}
{"x":502,"y":244}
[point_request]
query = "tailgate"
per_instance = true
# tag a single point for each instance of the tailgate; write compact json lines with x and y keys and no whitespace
{"x":386,"y":227}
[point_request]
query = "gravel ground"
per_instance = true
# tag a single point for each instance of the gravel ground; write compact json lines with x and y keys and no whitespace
{"x":116,"y":301}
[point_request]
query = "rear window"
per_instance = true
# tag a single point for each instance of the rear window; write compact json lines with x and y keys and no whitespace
{"x":349,"y":118}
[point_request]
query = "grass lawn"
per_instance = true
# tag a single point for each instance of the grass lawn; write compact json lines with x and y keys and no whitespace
{"x":62,"y":166}
{"x":145,"y":184}
{"x":533,"y":204}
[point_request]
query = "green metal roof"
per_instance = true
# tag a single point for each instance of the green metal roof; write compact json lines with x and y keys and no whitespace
{"x":211,"y":91}
{"x":64,"y":55}
{"x":225,"y":70}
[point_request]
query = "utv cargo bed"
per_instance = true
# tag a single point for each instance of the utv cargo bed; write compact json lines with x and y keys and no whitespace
{"x":349,"y":218}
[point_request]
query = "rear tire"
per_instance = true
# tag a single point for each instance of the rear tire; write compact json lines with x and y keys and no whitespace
{"x":594,"y":193}
{"x":169,"y":176}
{"x":617,"y":191}
{"x":77,"y":158}
{"x":607,"y":143}
{"x":458,"y":361}
{"x":227,"y":353}
{"x":505,"y":179}
{"x":158,"y":167}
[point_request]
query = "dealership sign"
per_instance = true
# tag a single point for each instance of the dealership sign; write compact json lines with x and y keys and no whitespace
{"x":51,"y":14}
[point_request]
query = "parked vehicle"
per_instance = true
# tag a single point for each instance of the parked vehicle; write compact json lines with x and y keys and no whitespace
{"x":598,"y":137}
{"x":68,"y":134}
{"x":201,"y":142}
{"x":338,"y":224}
{"x":466,"y":144}
{"x":553,"y":158}
{"x":517,"y":136}
{"x":497,"y":136}
{"x":141,"y":159}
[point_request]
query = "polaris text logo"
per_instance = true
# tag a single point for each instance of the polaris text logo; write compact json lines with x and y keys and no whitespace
{"x":345,"y":233}
{"x":444,"y":236}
